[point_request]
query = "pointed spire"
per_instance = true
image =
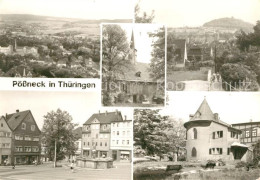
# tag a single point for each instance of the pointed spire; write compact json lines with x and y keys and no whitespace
{"x":133,"y":50}
{"x":204,"y":112}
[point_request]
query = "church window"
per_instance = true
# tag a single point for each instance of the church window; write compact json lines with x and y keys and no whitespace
{"x":195,"y":133}
{"x":193,"y":152}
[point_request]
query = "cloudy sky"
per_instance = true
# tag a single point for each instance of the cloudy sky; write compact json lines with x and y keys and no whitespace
{"x":179,"y":13}
{"x":231,"y":107}
{"x":85,"y":9}
{"x":80,"y":105}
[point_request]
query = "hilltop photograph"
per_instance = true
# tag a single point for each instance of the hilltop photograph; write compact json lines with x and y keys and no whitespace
{"x":40,"y":39}
{"x":211,"y":45}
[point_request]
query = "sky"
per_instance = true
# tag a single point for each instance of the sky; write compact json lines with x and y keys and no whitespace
{"x":143,"y":43}
{"x":179,"y":13}
{"x":80,"y":105}
{"x":231,"y":107}
{"x":85,"y":9}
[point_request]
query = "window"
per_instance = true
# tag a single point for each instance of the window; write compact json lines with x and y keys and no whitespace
{"x":117,"y":133}
{"x":19,"y":149}
{"x":128,"y":142}
{"x":114,"y":133}
{"x":100,"y":143}
{"x":23,"y":126}
{"x":234,"y":135}
{"x":193,"y":152}
{"x":254,"y":132}
{"x":117,"y":141}
{"x":123,"y":142}
{"x":194,"y":133}
{"x":215,"y":151}
{"x":27,"y":149}
{"x":117,"y":124}
{"x":123,"y":133}
{"x":2,"y":125}
{"x":88,"y":143}
{"x":36,"y":139}
{"x":105,"y":143}
{"x":35,"y":149}
{"x":104,"y":127}
{"x":32,"y":127}
{"x":247,"y":133}
{"x":228,"y":151}
{"x":16,"y":137}
{"x":96,"y":135}
{"x":27,"y":138}
{"x":217,"y":134}
{"x":6,"y":145}
{"x":20,"y":137}
{"x":96,"y":143}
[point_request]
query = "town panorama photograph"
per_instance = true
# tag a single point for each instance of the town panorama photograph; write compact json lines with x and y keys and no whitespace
{"x":53,"y":38}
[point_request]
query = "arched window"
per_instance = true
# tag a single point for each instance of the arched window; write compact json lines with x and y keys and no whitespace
{"x":193,"y":152}
{"x":195,"y":133}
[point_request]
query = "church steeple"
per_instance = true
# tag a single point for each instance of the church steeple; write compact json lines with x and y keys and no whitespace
{"x":133,"y":50}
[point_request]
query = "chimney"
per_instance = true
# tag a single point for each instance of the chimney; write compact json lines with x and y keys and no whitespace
{"x":116,"y":111}
{"x":125,"y":117}
{"x":216,"y":116}
{"x":250,"y":120}
{"x":6,"y":115}
{"x":17,"y":110}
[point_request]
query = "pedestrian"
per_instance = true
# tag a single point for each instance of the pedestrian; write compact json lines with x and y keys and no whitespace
{"x":5,"y":162}
{"x":72,"y":166}
{"x":35,"y":162}
{"x":13,"y":166}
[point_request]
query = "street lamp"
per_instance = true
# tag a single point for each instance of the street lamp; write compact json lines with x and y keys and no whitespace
{"x":55,"y":147}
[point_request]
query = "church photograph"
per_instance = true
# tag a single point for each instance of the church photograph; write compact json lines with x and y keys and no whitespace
{"x":133,"y":65}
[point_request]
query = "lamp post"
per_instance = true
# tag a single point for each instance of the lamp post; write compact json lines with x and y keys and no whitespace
{"x":55,"y":147}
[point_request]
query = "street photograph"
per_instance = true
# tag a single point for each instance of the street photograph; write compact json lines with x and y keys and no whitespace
{"x":63,"y":135}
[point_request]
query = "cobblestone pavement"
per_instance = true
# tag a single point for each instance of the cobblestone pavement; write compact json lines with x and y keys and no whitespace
{"x":121,"y":171}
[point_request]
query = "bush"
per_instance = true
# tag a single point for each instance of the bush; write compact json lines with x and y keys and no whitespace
{"x":121,"y":97}
{"x":181,"y":158}
{"x":241,"y":164}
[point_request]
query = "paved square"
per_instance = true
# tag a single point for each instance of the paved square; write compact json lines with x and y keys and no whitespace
{"x":122,"y":171}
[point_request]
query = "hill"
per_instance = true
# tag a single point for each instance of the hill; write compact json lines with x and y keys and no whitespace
{"x":231,"y":23}
{"x":30,"y":17}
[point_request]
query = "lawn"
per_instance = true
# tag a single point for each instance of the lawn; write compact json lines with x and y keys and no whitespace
{"x":178,"y":76}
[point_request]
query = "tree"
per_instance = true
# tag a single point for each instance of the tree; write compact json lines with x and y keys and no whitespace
{"x":58,"y":127}
{"x":149,"y":131}
{"x":115,"y":51}
{"x":157,"y":66}
{"x":239,"y":76}
{"x":144,"y":18}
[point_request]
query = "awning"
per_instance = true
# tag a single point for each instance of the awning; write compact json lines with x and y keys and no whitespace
{"x":124,"y":152}
{"x":237,"y":144}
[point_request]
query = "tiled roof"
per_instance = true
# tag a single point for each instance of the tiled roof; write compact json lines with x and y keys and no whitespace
{"x":105,"y":118}
{"x":203,"y":113}
{"x":15,"y":119}
{"x":131,"y":74}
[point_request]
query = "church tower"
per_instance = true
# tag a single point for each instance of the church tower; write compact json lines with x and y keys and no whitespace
{"x":133,"y":51}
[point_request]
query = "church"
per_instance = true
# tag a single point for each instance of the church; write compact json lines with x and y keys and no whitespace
{"x":209,"y":138}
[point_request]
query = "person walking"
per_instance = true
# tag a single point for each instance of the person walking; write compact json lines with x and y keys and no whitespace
{"x":72,"y":166}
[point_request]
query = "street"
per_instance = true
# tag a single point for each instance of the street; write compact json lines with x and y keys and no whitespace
{"x":122,"y":171}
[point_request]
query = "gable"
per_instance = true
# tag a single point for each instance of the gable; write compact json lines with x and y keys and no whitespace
{"x":95,"y":121}
{"x":4,"y":126}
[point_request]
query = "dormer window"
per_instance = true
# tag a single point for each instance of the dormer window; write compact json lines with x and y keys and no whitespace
{"x":138,"y":74}
{"x":23,"y":126}
{"x":32,"y":127}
